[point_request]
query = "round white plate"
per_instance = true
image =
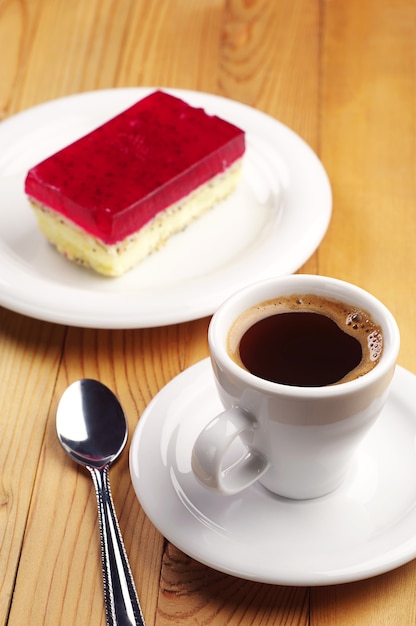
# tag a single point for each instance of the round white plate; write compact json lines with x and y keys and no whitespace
{"x":270,"y":225}
{"x":364,"y":528}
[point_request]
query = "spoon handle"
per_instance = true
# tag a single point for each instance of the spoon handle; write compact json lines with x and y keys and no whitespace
{"x":121,"y":602}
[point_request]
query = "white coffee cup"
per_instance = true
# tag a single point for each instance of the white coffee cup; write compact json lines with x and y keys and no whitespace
{"x":298,"y":442}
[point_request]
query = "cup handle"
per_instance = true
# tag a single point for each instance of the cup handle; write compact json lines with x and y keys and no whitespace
{"x":212,"y":445}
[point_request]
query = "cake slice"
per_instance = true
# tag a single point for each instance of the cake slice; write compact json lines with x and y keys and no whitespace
{"x":117,"y":194}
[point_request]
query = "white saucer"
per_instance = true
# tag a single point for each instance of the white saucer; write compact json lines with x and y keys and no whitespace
{"x":270,"y":226}
{"x":368,"y":526}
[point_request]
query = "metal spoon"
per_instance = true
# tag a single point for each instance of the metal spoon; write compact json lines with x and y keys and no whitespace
{"x":92,"y":429}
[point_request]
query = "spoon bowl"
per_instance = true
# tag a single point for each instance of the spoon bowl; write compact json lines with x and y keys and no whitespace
{"x":91,"y":424}
{"x":92,"y":428}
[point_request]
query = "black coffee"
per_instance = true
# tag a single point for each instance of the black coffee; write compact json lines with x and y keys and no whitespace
{"x":307,"y":341}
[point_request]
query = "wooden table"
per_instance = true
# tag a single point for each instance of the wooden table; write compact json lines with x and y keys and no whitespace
{"x":342,"y":74}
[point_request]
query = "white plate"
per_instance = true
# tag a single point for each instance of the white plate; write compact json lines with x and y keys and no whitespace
{"x":366,"y":527}
{"x":270,"y":225}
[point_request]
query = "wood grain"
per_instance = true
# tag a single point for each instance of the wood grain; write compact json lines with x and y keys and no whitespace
{"x":368,"y":147}
{"x":341,"y":75}
{"x":30,"y":354}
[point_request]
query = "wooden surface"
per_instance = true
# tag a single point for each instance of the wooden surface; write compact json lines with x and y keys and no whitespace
{"x":342,"y":74}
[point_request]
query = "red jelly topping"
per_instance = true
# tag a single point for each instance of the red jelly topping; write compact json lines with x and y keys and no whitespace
{"x":118,"y":177}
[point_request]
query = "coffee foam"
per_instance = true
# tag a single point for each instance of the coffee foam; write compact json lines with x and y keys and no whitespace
{"x":351,"y":319}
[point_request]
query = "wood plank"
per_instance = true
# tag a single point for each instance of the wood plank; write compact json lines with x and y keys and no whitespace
{"x":368,"y":147}
{"x":30,"y":354}
{"x":214,"y":597}
{"x":383,"y":600}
